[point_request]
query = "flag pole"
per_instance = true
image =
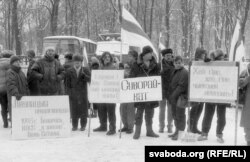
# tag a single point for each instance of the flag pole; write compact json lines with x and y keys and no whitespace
{"x":120,"y":135}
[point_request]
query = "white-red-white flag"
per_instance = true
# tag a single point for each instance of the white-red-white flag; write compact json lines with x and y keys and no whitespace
{"x":132,"y":32}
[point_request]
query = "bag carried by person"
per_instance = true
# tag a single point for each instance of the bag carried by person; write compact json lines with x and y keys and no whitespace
{"x":182,"y":101}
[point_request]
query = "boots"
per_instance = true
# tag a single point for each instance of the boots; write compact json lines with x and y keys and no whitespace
{"x":175,"y":137}
{"x":150,"y":132}
{"x":174,"y":134}
{"x":5,"y":120}
{"x":170,"y":129}
{"x":137,"y":132}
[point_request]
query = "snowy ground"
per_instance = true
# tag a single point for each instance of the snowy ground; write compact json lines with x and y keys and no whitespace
{"x":99,"y":147}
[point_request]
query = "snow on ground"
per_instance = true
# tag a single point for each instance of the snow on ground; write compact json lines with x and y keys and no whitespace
{"x":101,"y":148}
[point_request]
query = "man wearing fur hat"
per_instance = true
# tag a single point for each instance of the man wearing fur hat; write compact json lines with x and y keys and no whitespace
{"x":148,"y":67}
{"x":17,"y":85}
{"x":77,"y":78}
{"x":167,"y":70}
{"x":49,"y":72}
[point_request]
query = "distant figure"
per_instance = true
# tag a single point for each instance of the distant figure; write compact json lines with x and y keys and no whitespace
{"x":32,"y":82}
{"x":68,"y":61}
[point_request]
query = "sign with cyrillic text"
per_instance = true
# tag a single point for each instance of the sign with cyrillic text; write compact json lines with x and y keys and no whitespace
{"x":141,"y":89}
{"x":105,"y":86}
{"x":214,"y":82}
{"x":36,"y":117}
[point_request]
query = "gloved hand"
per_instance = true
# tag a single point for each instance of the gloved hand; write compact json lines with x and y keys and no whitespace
{"x":19,"y":97}
{"x":207,"y":59}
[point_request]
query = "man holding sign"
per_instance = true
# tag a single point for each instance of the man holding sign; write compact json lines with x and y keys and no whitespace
{"x":149,"y":67}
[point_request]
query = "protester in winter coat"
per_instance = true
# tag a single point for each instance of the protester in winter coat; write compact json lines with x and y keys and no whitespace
{"x":17,"y":85}
{"x":32,"y":82}
{"x":76,"y":82}
{"x":196,"y":110}
{"x":107,"y":110}
{"x":49,"y":73}
{"x":4,"y":67}
{"x":148,"y":67}
{"x":245,"y":121}
{"x":127,"y":110}
{"x":167,"y":70}
{"x":210,"y":109}
{"x":178,"y":87}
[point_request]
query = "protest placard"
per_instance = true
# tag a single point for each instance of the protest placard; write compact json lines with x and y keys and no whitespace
{"x":141,"y":89}
{"x":214,"y":82}
{"x":105,"y":86}
{"x":36,"y":117}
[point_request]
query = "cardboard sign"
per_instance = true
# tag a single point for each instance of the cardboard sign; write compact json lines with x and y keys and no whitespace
{"x":141,"y":89}
{"x":105,"y":86}
{"x":36,"y":117}
{"x":214,"y":82}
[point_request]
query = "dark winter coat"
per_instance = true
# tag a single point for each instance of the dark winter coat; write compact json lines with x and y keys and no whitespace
{"x":4,"y":67}
{"x":245,"y":121}
{"x":179,"y":84}
{"x":166,"y":73}
{"x":49,"y":74}
{"x":140,"y":70}
{"x":32,"y":81}
{"x":16,"y":83}
{"x":77,"y":90}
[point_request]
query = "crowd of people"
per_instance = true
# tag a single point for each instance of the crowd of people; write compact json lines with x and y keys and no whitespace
{"x":46,"y":76}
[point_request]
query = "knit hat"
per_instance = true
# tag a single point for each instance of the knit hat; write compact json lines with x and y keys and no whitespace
{"x":7,"y":53}
{"x":68,"y":56}
{"x":14,"y":59}
{"x":146,"y":50}
{"x":78,"y":58}
{"x":166,"y":51}
{"x":199,"y":52}
{"x":217,"y":54}
{"x":31,"y":53}
{"x":94,"y":60}
{"x":133,"y":53}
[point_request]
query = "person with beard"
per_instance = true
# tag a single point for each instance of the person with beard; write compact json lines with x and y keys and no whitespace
{"x":148,"y":67}
{"x":17,"y":85}
{"x":32,"y":82}
{"x":178,"y":87}
{"x":107,"y":110}
{"x":77,"y":78}
{"x":49,"y":73}
{"x":167,"y":70}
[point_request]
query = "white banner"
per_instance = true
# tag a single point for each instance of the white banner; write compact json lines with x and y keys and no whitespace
{"x":36,"y":117}
{"x":141,"y":89}
{"x":105,"y":86}
{"x":213,"y":84}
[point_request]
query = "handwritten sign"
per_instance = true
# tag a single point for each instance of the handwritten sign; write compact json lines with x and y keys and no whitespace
{"x":105,"y":86}
{"x":141,"y":89}
{"x":36,"y":117}
{"x":213,"y":82}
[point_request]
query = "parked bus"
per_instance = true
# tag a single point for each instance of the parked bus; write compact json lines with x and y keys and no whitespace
{"x":73,"y":44}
